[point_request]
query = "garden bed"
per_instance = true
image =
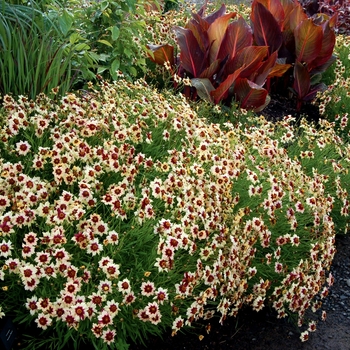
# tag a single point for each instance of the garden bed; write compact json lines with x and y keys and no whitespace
{"x":129,"y":212}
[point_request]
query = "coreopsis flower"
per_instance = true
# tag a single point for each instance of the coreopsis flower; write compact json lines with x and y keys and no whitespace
{"x":161,"y":295}
{"x":112,"y":237}
{"x":97,"y":330}
{"x":42,"y":258}
{"x":105,"y":318}
{"x":94,"y":247}
{"x":295,"y":240}
{"x":32,"y":304}
{"x":66,"y":298}
{"x":129,"y":298}
{"x":178,"y":323}
{"x":147,"y":288}
{"x":108,"y":336}
{"x":97,"y":298}
{"x":278,"y":267}
{"x":124,"y":286}
{"x":5,"y":248}
{"x":4,"y":203}
{"x":105,"y":286}
{"x":258,"y":303}
{"x":312,"y":326}
{"x":304,"y":336}
{"x":30,"y":238}
{"x":112,"y":307}
{"x":43,"y":320}
{"x":70,"y":319}
{"x":72,"y":287}
{"x":23,"y":148}
{"x":13,"y":265}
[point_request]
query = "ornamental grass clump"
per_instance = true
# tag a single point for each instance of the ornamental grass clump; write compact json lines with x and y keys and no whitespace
{"x":125,"y":214}
{"x":34,"y":58}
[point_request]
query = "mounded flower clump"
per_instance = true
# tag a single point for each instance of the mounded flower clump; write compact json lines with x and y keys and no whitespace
{"x":123,"y":213}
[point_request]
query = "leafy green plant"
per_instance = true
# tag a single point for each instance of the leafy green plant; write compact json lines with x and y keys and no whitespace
{"x":32,"y":58}
{"x":107,"y":36}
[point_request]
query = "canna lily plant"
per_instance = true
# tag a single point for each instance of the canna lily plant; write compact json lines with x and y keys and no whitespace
{"x":227,"y":59}
{"x":218,"y":55}
{"x":306,"y":43}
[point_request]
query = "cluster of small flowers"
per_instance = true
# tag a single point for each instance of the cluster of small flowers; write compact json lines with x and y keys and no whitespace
{"x":123,"y":174}
{"x":338,"y":94}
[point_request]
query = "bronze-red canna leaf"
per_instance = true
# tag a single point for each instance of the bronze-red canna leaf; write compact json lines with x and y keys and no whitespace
{"x":328,"y":42}
{"x":251,"y":95}
{"x":191,"y":55}
{"x":238,"y":35}
{"x":276,"y":9}
{"x":215,"y":15}
{"x":308,"y":41}
{"x":222,"y":91}
{"x":296,"y":16}
{"x":162,"y":53}
{"x":301,"y":83}
{"x":279,"y":69}
{"x":266,"y":30}
{"x":216,"y":33}
{"x":199,"y":30}
{"x":204,"y":87}
{"x":211,"y":70}
{"x":264,"y":70}
{"x":248,"y":60}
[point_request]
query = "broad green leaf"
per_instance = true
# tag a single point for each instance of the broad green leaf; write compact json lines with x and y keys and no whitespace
{"x":101,"y":69}
{"x":105,"y":42}
{"x":115,"y":33}
{"x":115,"y":65}
{"x":132,"y":71}
{"x":104,"y":5}
{"x":81,"y":47}
{"x":74,"y":37}
{"x":101,"y":57}
{"x":65,"y":22}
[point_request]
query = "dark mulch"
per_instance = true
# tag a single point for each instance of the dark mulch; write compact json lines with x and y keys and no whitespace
{"x":281,"y":106}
